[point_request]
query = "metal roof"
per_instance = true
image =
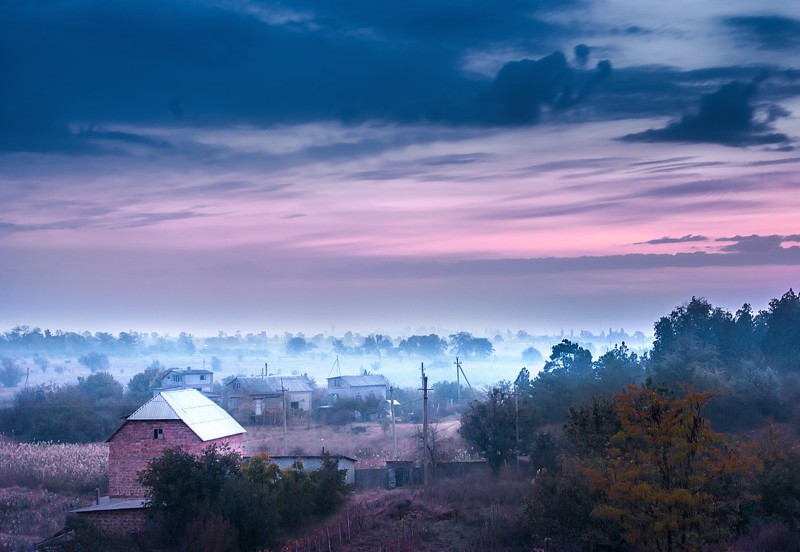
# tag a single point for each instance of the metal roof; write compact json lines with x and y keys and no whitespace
{"x":366,"y":380}
{"x":107,"y":504}
{"x":272,"y":385}
{"x":207,"y":419}
{"x":187,"y":371}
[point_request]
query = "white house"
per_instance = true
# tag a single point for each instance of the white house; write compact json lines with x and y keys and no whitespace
{"x":357,"y":387}
{"x":202,"y":380}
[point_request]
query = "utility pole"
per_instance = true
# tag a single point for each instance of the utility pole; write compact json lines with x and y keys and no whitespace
{"x":394,"y":433}
{"x":425,"y":468}
{"x":458,"y":379}
{"x":516,"y":401}
{"x":285,"y":433}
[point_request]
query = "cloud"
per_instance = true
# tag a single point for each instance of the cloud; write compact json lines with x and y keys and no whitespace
{"x":771,"y":32}
{"x":666,"y":239}
{"x":726,"y":116}
{"x":522,"y":88}
{"x":785,"y":256}
{"x":762,"y":246}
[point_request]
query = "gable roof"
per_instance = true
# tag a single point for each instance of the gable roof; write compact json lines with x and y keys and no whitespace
{"x":207,"y":419}
{"x":186,"y":372}
{"x":272,"y":385}
{"x":366,"y":380}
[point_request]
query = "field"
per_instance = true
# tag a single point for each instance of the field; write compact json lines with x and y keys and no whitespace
{"x":40,"y":483}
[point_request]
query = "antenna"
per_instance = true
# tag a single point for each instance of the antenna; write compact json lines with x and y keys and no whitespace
{"x":337,"y":366}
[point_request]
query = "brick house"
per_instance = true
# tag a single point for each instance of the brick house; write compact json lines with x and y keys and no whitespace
{"x":184,"y":419}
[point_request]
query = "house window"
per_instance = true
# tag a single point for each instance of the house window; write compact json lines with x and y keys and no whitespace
{"x":337,"y":383}
{"x":202,"y":377}
{"x":176,"y":377}
{"x":258,"y":407}
{"x":158,"y":433}
{"x":233,"y":402}
{"x":295,"y":405}
{"x":236,"y":385}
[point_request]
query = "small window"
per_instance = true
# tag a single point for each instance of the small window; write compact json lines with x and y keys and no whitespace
{"x":237,"y":385}
{"x":176,"y":377}
{"x":233,"y":403}
{"x":158,"y":433}
{"x":295,"y":405}
{"x":202,"y":377}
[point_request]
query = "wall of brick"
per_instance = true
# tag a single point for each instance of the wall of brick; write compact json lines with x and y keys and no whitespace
{"x":133,"y":447}
{"x":117,"y":521}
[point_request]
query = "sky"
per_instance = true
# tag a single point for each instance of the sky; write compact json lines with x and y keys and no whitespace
{"x":205,"y":165}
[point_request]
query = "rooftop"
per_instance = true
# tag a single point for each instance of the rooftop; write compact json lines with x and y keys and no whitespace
{"x":207,"y":419}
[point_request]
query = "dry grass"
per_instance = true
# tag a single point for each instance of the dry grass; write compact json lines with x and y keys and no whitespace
{"x":475,"y":514}
{"x":369,"y":443}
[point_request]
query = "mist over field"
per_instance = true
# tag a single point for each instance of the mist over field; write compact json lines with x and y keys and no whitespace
{"x":44,"y":358}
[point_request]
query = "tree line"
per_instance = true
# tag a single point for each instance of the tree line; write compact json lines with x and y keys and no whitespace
{"x":638,"y":463}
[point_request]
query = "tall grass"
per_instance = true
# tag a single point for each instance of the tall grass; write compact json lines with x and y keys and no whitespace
{"x":55,"y":467}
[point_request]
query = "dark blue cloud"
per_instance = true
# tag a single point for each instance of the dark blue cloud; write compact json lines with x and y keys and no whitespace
{"x":726,"y":116}
{"x":86,"y":63}
{"x":770,"y":32}
{"x":522,"y":88}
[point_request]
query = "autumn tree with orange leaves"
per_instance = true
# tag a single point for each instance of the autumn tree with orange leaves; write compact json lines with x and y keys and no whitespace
{"x":668,"y":482}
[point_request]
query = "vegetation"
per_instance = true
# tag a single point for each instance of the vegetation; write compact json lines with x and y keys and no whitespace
{"x":88,"y":411}
{"x":219,"y":498}
{"x":40,"y":483}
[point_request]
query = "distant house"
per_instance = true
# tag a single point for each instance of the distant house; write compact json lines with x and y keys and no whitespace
{"x":174,"y":378}
{"x":255,"y":399}
{"x":184,"y":419}
{"x":357,"y":387}
{"x":311,"y":463}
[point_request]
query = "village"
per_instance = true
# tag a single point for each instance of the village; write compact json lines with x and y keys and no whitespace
{"x":280,"y":413}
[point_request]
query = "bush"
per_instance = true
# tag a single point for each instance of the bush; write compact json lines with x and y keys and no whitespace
{"x":220,"y":496}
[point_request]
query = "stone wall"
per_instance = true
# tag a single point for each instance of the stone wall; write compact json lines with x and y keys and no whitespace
{"x":139,"y":441}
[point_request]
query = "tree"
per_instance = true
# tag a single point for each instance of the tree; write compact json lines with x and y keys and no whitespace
{"x":94,"y":361}
{"x":617,"y":369}
{"x":464,"y":344}
{"x":423,"y":346}
{"x":101,"y":389}
{"x":567,"y":378}
{"x":781,"y":342}
{"x":532,"y":354}
{"x":668,"y":482}
{"x":180,"y":486}
{"x":141,"y":385}
{"x":298,"y":346}
{"x":10,"y":373}
{"x":491,"y":426}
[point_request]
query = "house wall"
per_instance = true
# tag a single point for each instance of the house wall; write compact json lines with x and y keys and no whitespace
{"x":302,"y":398}
{"x":188,"y":381}
{"x":119,"y":522}
{"x":355,"y":392}
{"x":133,"y":446}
